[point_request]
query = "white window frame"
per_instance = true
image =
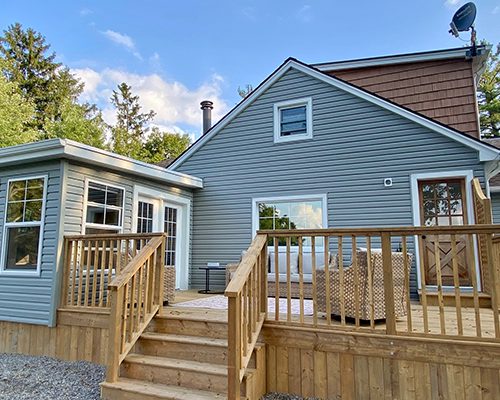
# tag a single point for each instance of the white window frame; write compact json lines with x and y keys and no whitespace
{"x":183,"y":206}
{"x":306,"y":197}
{"x":41,"y":224}
{"x":467,"y":175}
{"x":277,"y":120}
{"x":86,"y":224}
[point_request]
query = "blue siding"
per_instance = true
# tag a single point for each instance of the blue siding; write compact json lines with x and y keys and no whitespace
{"x":495,"y":207}
{"x":355,"y":145}
{"x":24,"y":298}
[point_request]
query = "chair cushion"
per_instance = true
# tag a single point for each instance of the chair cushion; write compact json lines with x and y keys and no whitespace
{"x":294,"y":257}
{"x":307,"y":262}
{"x":306,"y":278}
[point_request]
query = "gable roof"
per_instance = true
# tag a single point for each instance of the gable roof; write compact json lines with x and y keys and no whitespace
{"x":485,"y":150}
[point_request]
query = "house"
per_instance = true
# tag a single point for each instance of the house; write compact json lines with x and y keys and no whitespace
{"x":378,"y":156}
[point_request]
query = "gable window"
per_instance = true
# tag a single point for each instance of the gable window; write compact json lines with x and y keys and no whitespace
{"x":291,"y":213}
{"x":104,"y":208}
{"x":23,"y":231}
{"x":293,"y":120}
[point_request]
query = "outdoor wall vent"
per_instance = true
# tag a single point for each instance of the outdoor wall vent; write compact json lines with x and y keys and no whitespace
{"x":387,"y":182}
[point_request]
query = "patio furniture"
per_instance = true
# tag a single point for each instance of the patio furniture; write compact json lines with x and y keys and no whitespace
{"x":364,"y":293}
{"x":208,"y":268}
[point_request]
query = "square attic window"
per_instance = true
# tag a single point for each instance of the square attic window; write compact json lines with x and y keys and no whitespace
{"x":293,"y":120}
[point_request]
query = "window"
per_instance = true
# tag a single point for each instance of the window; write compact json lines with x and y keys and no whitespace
{"x":170,"y":227}
{"x":104,"y":208}
{"x":442,"y":202}
{"x":144,"y":217}
{"x":291,"y":213}
{"x":293,"y":120}
{"x":23,"y":224}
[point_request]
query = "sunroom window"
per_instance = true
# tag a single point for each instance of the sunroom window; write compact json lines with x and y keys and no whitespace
{"x":23,"y":224}
{"x":104,"y":208}
{"x":291,"y":214}
{"x":293,"y":120}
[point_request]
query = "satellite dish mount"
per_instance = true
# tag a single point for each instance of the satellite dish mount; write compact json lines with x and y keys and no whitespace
{"x":463,"y":21}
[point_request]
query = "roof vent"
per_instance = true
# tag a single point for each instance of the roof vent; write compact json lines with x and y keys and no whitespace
{"x":207,"y":106}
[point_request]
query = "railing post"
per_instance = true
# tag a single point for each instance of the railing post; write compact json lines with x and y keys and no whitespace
{"x":263,"y":277}
{"x":115,"y":329}
{"x":234,"y":347}
{"x":160,"y":271}
{"x":66,"y":269}
{"x":388,"y":284}
{"x":493,"y":266}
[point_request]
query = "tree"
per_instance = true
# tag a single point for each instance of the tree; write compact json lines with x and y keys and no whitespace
{"x":80,"y":122}
{"x":163,"y":145}
{"x":489,"y":97}
{"x":129,"y":133}
{"x":16,"y":114}
{"x":45,"y":83}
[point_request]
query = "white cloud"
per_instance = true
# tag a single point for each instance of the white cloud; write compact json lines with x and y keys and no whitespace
{"x":122,"y":40}
{"x":174,"y":103}
{"x":496,"y":10}
{"x":305,"y":14}
{"x":452,"y":3}
{"x":85,"y":11}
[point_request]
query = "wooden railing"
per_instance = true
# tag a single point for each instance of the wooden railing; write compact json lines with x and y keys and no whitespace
{"x":247,"y":310}
{"x":92,"y":261}
{"x":136,"y":295}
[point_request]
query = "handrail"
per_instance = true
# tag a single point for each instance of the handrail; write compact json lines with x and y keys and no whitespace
{"x":136,"y":296}
{"x":247,"y":308}
{"x":112,"y":236}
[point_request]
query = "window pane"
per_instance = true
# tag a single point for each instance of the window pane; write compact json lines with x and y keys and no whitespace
{"x":15,"y":212}
{"x":22,"y":247}
{"x":455,"y":190}
{"x":429,"y":208}
{"x":35,"y":189}
{"x":96,"y":231}
{"x":115,"y":197}
{"x":112,"y":217}
{"x":17,"y":190}
{"x":266,"y":223}
{"x":428,"y":191}
{"x":33,"y":211}
{"x":266,"y":210}
{"x":95,"y":215}
{"x":293,"y":121}
{"x":456,"y":207}
{"x":97,"y":193}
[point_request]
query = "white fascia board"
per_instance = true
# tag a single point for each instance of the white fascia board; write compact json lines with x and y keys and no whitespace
{"x":390,"y":60}
{"x":43,"y":150}
{"x":486,"y":152}
{"x":82,"y":152}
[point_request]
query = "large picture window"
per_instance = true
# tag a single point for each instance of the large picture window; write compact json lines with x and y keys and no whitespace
{"x":24,"y":213}
{"x":291,"y":213}
{"x":104,"y":208}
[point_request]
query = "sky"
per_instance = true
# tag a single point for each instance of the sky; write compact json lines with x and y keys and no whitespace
{"x":175,"y":54}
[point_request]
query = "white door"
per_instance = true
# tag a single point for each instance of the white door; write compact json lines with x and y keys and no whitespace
{"x":157,"y":215}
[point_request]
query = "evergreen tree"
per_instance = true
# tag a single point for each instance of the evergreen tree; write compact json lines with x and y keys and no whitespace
{"x":129,"y":133}
{"x":489,"y":96}
{"x":45,"y":83}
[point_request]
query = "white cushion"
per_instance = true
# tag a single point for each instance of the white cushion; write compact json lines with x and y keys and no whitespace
{"x":372,"y":250}
{"x":307,"y":262}
{"x":306,"y":278}
{"x":294,"y":257}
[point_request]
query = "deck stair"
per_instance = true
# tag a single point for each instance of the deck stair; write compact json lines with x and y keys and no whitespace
{"x":183,"y":355}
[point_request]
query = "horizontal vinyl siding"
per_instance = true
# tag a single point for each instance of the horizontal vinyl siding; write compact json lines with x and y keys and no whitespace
{"x":495,"y":207}
{"x":355,"y":146}
{"x":24,"y":298}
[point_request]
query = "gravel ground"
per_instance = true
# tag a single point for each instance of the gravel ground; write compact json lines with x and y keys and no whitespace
{"x":44,"y":378}
{"x":284,"y":396}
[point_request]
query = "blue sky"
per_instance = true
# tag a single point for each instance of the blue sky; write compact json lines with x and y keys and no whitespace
{"x":176,"y":53}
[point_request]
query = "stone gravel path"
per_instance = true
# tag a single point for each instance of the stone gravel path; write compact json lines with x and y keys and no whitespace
{"x":44,"y":378}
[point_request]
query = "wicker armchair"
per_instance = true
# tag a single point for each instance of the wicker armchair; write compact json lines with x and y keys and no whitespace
{"x":364,"y":294}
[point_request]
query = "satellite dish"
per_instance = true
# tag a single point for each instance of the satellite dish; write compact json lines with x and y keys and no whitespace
{"x":463,"y":19}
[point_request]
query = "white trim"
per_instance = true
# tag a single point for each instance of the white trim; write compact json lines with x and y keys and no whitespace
{"x":41,"y":224}
{"x":283,"y":105}
{"x":183,"y":206}
{"x":486,"y":152}
{"x":305,"y":197}
{"x":462,"y":52}
{"x":468,"y":175}
{"x":69,"y":149}
{"x":86,"y":224}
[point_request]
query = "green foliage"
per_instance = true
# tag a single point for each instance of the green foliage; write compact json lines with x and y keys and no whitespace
{"x":79,"y":122}
{"x":42,"y":81}
{"x":129,"y":133}
{"x":163,"y":145}
{"x":16,"y":114}
{"x":489,"y":97}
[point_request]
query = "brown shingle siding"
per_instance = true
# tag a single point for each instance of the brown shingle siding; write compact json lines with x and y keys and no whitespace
{"x":443,"y":90}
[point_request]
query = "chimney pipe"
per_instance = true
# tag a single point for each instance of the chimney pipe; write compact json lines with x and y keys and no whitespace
{"x":207,"y":106}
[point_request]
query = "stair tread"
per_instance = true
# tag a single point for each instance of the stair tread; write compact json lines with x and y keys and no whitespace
{"x":179,"y":364}
{"x":194,"y":314}
{"x":162,"y":391}
{"x":170,"y":337}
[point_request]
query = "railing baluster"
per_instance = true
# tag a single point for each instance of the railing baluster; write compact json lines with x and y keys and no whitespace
{"x":471,"y":262}
{"x":456,"y":283}
{"x":356,"y":280}
{"x":93,"y":299}
{"x":288,"y":282}
{"x":76,"y":268}
{"x":423,"y":290}
{"x":388,"y":284}
{"x":102,"y":274}
{"x":277,"y":281}
{"x":437,"y":259}
{"x":301,"y":281}
{"x":313,"y":270}
{"x":369,"y":267}
{"x":406,"y":285}
{"x":341,"y":284}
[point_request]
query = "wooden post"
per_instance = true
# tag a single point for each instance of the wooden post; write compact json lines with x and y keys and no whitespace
{"x":115,"y":329}
{"x":160,"y":271}
{"x":390,"y":317}
{"x":234,"y":347}
{"x":66,"y":268}
{"x":495,"y":284}
{"x":263,"y":280}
